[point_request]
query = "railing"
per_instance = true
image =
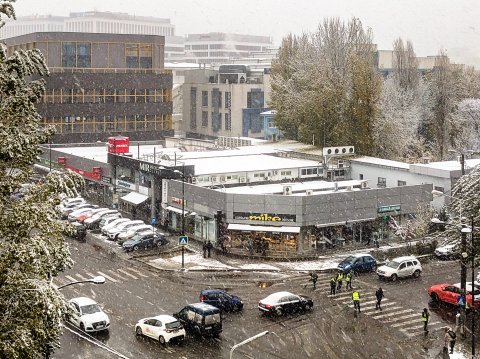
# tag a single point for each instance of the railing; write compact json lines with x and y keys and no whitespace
{"x":106,"y":70}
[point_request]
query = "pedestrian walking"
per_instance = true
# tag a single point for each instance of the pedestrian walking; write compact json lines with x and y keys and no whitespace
{"x":356,"y":300}
{"x":425,"y":318}
{"x":313,"y":279}
{"x":339,"y":280}
{"x":209,"y":248}
{"x":450,"y":338}
{"x":379,"y":295}
{"x":348,"y":281}
{"x":204,"y":247}
{"x":333,"y":285}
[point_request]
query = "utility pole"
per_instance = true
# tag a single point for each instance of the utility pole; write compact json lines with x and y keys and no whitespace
{"x":183,"y":214}
{"x":463,"y":269}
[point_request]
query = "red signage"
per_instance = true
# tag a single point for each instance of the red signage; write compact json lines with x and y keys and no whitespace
{"x":118,"y":144}
{"x":61,"y":160}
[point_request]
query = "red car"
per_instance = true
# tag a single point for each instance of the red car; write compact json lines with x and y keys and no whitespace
{"x":449,"y":293}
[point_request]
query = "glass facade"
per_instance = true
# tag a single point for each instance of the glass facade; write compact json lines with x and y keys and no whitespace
{"x":76,"y":54}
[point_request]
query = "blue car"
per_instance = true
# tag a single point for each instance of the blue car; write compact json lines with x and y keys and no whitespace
{"x":358,"y":263}
{"x":221,"y":299}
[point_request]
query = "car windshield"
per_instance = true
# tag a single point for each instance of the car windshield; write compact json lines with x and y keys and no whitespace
{"x":349,"y":260}
{"x":212,"y":319}
{"x":91,"y":309}
{"x":173,"y":325}
{"x":392,"y":264}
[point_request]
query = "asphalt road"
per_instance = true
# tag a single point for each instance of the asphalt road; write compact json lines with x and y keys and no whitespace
{"x":135,"y":291}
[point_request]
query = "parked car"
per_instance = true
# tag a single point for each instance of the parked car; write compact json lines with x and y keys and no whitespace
{"x":79,"y":231}
{"x":145,"y":240}
{"x":69,"y":203}
{"x":113,"y":224}
{"x":400,"y":267}
{"x":448,"y":251}
{"x":93,"y":221}
{"x":67,"y":210}
{"x":113,"y":233}
{"x":200,"y":319}
{"x":108,"y":219}
{"x":163,"y":328}
{"x":221,"y":299}
{"x":87,"y":215}
{"x":284,"y":302}
{"x":360,"y":262}
{"x":449,"y":293}
{"x":87,"y":315}
{"x":72,"y":217}
{"x":132,"y":231}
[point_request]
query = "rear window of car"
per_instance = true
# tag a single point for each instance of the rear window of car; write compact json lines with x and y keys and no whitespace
{"x":212,"y":319}
{"x":173,"y":325}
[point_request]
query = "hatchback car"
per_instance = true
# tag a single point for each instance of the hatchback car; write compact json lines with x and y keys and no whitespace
{"x":108,"y":219}
{"x":113,"y":233}
{"x":162,"y":328}
{"x":87,"y":315}
{"x":221,"y":299}
{"x":132,"y":231}
{"x":69,"y":209}
{"x":201,"y":319}
{"x":93,"y":221}
{"x":400,"y":267}
{"x":449,"y":293}
{"x":284,"y":302}
{"x":360,"y":262}
{"x":113,"y":224}
{"x":145,"y":240}
{"x":448,"y":251}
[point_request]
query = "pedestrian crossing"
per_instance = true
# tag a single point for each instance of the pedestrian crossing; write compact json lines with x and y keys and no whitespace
{"x":393,"y":314}
{"x":118,"y":275}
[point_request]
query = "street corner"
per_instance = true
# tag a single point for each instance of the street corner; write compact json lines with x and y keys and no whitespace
{"x":192,"y":262}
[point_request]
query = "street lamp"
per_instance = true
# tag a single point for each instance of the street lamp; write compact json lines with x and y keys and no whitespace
{"x":182,"y":174}
{"x":247,"y":341}
{"x":96,"y":280}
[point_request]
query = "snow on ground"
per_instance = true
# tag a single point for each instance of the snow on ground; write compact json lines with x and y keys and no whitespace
{"x":192,"y":261}
{"x":259,"y":266}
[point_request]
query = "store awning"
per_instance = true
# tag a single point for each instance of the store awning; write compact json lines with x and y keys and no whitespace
{"x":175,"y":209}
{"x":134,"y":198}
{"x":351,"y":221}
{"x":248,"y":227}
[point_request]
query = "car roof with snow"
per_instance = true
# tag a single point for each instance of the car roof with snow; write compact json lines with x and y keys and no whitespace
{"x":276,"y":296}
{"x":81,"y":301}
{"x":404,"y":258}
{"x":164,"y":318}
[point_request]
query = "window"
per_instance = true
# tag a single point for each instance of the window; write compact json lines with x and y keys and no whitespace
{"x":285,"y":173}
{"x":228,"y":122}
{"x":261,"y":174}
{"x":205,"y":98}
{"x":204,"y":118}
{"x":76,"y":54}
{"x":440,"y":189}
{"x":228,"y":99}
{"x":255,"y":98}
{"x":193,"y":107}
{"x":382,"y":182}
{"x":83,"y":55}
{"x":361,"y":176}
{"x":402,"y":183}
{"x":138,"y":56}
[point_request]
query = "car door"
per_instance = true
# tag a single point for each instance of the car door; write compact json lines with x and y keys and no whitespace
{"x":295,"y":303}
{"x":149,"y":328}
{"x":450,"y":295}
{"x":359,"y":265}
{"x":402,"y":270}
{"x":76,"y":314}
{"x":285,"y":304}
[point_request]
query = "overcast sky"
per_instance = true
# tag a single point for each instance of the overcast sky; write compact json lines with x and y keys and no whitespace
{"x":429,"y":24}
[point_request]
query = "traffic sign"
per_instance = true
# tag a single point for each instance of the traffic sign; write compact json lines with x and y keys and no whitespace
{"x":182,"y":240}
{"x":153,"y":221}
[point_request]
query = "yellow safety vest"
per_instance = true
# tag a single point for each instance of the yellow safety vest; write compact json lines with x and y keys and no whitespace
{"x":355,"y":296}
{"x":348,"y":277}
{"x":340,"y":276}
{"x":424,"y":317}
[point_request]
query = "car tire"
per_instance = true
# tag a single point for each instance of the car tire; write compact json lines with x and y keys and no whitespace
{"x":374,"y":268}
{"x":394,"y":278}
{"x":82,"y":327}
{"x":159,"y":244}
{"x":434,"y":297}
{"x":136,"y":248}
{"x":161,"y":340}
{"x":308,"y":307}
{"x":416,"y":274}
{"x":138,"y":331}
{"x":278,"y":312}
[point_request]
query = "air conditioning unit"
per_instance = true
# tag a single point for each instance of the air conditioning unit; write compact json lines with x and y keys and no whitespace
{"x":364,"y":184}
{"x":266,"y":178}
{"x":194,"y":179}
{"x":287,"y":190}
{"x":275,"y":173}
{"x":243,"y":179}
{"x":213,"y":178}
{"x":343,"y":150}
{"x":222,"y":178}
{"x":309,"y":192}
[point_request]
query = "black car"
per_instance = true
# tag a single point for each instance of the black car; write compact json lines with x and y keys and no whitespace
{"x":221,"y":299}
{"x":280,"y":303}
{"x":145,"y":240}
{"x":200,"y":319}
{"x":79,"y":231}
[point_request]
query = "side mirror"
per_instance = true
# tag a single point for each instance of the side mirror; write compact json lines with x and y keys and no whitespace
{"x":443,"y":288}
{"x":175,"y":315}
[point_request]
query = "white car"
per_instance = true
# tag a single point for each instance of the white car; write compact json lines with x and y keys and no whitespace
{"x":113,"y":233}
{"x":131,"y":232}
{"x":95,"y":219}
{"x":106,"y":220}
{"x":87,"y":315}
{"x":162,"y":328}
{"x":72,"y":217}
{"x":400,"y":267}
{"x":113,"y":224}
{"x":69,"y":209}
{"x":448,"y":251}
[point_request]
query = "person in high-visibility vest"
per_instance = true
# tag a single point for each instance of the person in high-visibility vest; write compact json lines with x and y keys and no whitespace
{"x":348,"y":280}
{"x":333,"y":285}
{"x":425,"y":318}
{"x":356,"y":300}
{"x":339,"y":280}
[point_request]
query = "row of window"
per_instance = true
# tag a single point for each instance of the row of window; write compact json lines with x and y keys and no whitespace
{"x":227,"y":120}
{"x":216,"y":97}
{"x":382,"y":182}
{"x":106,"y":95}
{"x":309,"y":171}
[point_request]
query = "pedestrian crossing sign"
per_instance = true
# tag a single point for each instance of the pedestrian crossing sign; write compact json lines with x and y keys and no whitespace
{"x":182,"y":240}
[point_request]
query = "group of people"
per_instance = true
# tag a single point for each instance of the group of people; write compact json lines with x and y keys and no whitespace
{"x":207,"y":249}
{"x":337,"y":281}
{"x":258,"y":246}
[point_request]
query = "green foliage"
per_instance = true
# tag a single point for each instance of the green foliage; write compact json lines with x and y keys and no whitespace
{"x":32,"y":248}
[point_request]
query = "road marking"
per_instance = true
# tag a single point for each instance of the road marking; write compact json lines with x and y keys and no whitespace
{"x":396,"y":325}
{"x":403,"y":317}
{"x":81,"y":277}
{"x":126,"y":273}
{"x":108,"y":277}
{"x":90,"y":274}
{"x":371,"y":309}
{"x":389,"y":314}
{"x":138,"y":272}
{"x":116,"y":274}
{"x":418,"y":327}
{"x":150,"y":303}
{"x":420,"y":332}
{"x":139,"y":297}
{"x":73,"y":279}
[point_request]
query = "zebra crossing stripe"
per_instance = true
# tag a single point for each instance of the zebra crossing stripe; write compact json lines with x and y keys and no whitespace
{"x":126,"y":273}
{"x":419,"y":332}
{"x":73,"y":280}
{"x":396,"y":325}
{"x":90,"y":274}
{"x":116,"y":274}
{"x":392,"y":314}
{"x":418,"y":327}
{"x":372,"y":312}
{"x":108,"y":277}
{"x":137,"y":272}
{"x":369,"y":310}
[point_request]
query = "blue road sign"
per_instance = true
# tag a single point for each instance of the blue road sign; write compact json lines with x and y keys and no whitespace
{"x":182,"y":240}
{"x":153,"y":221}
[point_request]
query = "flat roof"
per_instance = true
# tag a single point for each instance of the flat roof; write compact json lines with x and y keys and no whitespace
{"x":380,"y":162}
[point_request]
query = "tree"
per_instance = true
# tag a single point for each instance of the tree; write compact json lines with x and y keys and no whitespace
{"x":467,"y":118}
{"x":325,"y":86}
{"x":405,"y":65}
{"x":32,"y":248}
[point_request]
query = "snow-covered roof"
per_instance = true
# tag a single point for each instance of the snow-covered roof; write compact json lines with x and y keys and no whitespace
{"x":450,"y":165}
{"x":380,"y":162}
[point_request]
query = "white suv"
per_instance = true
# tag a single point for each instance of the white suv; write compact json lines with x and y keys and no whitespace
{"x":408,"y":266}
{"x":113,"y":233}
{"x":87,"y":315}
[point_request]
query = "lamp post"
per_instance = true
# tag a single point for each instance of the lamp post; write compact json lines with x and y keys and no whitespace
{"x":50,"y":154}
{"x":247,"y":341}
{"x":473,"y":293}
{"x":183,"y":211}
{"x":96,"y":280}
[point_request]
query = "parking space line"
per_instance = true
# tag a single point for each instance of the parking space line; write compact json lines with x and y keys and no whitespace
{"x":126,"y":273}
{"x":90,"y":274}
{"x":108,"y":277}
{"x":73,"y":280}
{"x":116,"y":274}
{"x":80,"y":276}
{"x":137,"y":272}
